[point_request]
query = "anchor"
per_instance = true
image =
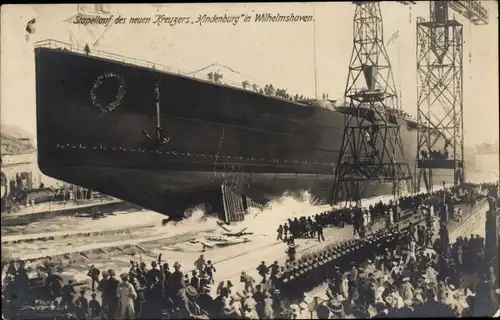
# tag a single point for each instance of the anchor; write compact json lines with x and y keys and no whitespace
{"x":159,"y":139}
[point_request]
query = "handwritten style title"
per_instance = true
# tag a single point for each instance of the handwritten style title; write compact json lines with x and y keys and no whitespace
{"x":201,"y":19}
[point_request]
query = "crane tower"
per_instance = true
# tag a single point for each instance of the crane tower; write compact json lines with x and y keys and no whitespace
{"x":371,"y":152}
{"x":440,"y":139}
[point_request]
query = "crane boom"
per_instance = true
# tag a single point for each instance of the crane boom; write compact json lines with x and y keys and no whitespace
{"x":472,"y":10}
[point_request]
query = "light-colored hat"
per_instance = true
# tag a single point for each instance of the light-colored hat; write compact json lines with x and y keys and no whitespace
{"x":406,"y":279}
{"x":294,"y":307}
{"x":235,"y":297}
{"x":335,"y":306}
{"x":191,"y":291}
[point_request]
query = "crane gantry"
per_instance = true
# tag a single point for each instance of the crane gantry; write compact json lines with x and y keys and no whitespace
{"x":440,"y":139}
{"x":371,"y":150}
{"x":371,"y":147}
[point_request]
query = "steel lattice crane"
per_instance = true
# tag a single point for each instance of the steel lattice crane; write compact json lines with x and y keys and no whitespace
{"x":440,"y":139}
{"x":371,"y":151}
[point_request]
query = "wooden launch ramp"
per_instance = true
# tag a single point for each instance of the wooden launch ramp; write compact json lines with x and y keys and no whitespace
{"x":235,"y":206}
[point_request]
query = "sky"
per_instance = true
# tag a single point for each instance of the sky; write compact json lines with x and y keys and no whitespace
{"x":279,"y":53}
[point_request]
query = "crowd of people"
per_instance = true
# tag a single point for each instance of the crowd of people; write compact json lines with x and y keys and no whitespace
{"x":392,"y":272}
{"x":363,"y":218}
{"x":434,"y":154}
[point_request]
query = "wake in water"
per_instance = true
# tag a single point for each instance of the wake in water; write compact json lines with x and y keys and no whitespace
{"x":278,"y":211}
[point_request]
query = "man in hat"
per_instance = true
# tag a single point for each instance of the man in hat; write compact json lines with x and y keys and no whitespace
{"x":110,"y":295}
{"x":195,"y":281}
{"x":176,"y":282}
{"x":319,"y":232}
{"x":68,"y":293}
{"x":210,"y":269}
{"x":247,"y":280}
{"x":200,"y":263}
{"x":206,"y":302}
{"x":274,"y":270}
{"x":407,"y":291}
{"x":205,"y":279}
{"x":220,"y":302}
{"x":82,"y":306}
{"x":259,"y":297}
{"x":126,"y":294}
{"x":153,"y":274}
{"x":188,"y":306}
{"x":53,"y":283}
{"x":95,"y":310}
{"x":268,"y":311}
{"x":94,"y":276}
{"x":336,"y":309}
{"x":280,"y":233}
{"x":263,"y":271}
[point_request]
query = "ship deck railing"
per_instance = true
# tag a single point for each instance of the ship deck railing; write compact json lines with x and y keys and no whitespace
{"x":56,"y":44}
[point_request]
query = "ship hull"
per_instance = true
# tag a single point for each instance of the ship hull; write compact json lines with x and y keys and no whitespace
{"x":217,"y":135}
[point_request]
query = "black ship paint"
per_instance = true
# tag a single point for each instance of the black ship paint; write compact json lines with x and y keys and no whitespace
{"x":94,"y":116}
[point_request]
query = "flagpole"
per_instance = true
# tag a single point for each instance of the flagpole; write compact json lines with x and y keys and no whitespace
{"x":314,"y":46}
{"x":399,"y":73}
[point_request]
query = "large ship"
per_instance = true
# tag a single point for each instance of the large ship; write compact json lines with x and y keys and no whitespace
{"x":168,"y":141}
{"x":488,"y":149}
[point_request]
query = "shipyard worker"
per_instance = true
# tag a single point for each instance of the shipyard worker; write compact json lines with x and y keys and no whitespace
{"x":94,"y":276}
{"x":86,"y":49}
{"x":263,"y":271}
